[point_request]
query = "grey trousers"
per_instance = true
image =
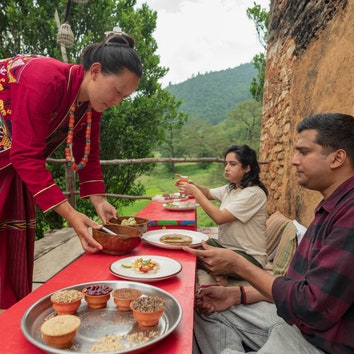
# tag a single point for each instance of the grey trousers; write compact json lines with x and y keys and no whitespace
{"x":255,"y":325}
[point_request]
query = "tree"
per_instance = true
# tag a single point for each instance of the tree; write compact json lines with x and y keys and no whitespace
{"x":260,"y":17}
{"x":248,"y":116}
{"x":133,"y":129}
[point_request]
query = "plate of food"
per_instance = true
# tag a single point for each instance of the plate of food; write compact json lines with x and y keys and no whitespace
{"x":145,"y":268}
{"x":180,"y":206}
{"x":106,"y":329}
{"x":174,"y":238}
{"x":170,"y":197}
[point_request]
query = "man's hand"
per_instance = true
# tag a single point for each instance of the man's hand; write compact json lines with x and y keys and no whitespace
{"x":216,"y":260}
{"x":217,"y":298}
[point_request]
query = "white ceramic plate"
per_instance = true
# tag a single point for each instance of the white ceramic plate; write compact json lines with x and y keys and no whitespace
{"x":168,"y":268}
{"x":153,"y":238}
{"x":180,"y":206}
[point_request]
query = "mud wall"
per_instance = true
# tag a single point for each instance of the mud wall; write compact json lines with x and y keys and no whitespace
{"x":309,"y":70}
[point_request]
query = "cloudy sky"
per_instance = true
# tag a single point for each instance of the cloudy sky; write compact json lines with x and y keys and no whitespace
{"x":198,"y":36}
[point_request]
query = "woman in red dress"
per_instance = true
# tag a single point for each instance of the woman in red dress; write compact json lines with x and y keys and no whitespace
{"x":44,"y":103}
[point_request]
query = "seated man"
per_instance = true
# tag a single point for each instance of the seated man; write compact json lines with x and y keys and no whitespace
{"x":311,"y":309}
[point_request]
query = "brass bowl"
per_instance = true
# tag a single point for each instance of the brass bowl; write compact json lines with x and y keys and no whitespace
{"x":115,"y":245}
{"x":141,"y":223}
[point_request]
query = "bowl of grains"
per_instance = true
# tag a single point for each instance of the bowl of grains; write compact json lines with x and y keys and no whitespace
{"x":124,"y":296}
{"x":117,"y":245}
{"x":66,"y":302}
{"x":59,"y":331}
{"x":133,"y":221}
{"x":97,"y":295}
{"x":147,"y":310}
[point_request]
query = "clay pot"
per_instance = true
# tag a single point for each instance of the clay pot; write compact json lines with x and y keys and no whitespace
{"x":59,"y":331}
{"x":124,"y":296}
{"x":66,"y":302}
{"x":97,"y":295}
{"x":148,"y":310}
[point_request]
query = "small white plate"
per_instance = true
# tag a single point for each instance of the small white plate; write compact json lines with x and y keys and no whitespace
{"x":153,"y":238}
{"x":168,"y":268}
{"x":180,"y":206}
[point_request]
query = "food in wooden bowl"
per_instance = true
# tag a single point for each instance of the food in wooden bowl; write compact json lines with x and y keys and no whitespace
{"x":66,"y":302}
{"x":147,"y":310}
{"x":114,"y":244}
{"x":124,"y":296}
{"x":59,"y":331}
{"x":133,"y":221}
{"x":97,"y":295}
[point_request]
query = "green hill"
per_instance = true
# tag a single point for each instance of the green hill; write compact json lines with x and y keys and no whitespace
{"x":210,"y":96}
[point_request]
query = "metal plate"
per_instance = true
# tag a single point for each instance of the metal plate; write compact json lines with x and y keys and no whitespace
{"x":168,"y":268}
{"x":96,"y":323}
{"x":153,"y":238}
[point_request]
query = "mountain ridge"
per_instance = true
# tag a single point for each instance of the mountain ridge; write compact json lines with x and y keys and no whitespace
{"x":210,"y":96}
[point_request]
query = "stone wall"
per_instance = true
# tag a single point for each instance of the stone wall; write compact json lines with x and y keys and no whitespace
{"x":309,"y":70}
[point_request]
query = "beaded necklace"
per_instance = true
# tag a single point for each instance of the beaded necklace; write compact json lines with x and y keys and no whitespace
{"x":69,"y":140}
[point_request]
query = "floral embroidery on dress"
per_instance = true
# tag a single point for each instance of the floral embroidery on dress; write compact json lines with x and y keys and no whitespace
{"x":10,"y":71}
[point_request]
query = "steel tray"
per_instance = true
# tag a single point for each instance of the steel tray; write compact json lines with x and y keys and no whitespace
{"x":96,"y":323}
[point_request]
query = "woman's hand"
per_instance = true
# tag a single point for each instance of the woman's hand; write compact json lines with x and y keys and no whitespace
{"x":217,"y":298}
{"x":80,"y":223}
{"x":104,"y":210}
{"x":187,"y":188}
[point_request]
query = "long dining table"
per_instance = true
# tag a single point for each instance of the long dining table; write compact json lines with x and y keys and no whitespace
{"x":96,"y":267}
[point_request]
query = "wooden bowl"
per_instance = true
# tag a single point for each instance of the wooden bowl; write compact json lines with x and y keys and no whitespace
{"x":115,"y":245}
{"x":124,"y":296}
{"x":147,"y":310}
{"x":59,"y":331}
{"x":141,"y":223}
{"x":66,"y":302}
{"x":97,"y":295}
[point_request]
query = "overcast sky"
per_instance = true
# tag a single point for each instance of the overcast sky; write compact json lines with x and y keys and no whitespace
{"x":198,"y":36}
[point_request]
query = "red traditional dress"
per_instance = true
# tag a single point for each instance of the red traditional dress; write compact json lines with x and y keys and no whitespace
{"x":36,"y":94}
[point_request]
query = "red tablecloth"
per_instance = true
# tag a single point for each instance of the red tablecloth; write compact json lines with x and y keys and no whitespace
{"x":90,"y":268}
{"x":170,"y":219}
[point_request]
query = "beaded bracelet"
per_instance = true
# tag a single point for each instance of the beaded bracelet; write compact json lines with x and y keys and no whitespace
{"x":243,"y":295}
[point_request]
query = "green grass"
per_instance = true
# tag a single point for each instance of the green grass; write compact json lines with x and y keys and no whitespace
{"x":162,"y":181}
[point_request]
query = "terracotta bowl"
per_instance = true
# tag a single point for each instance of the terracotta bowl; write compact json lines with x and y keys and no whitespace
{"x":59,"y":331}
{"x":116,"y":245}
{"x":147,"y":310}
{"x":66,"y":302}
{"x":141,"y":223}
{"x":97,"y":295}
{"x":124,"y":296}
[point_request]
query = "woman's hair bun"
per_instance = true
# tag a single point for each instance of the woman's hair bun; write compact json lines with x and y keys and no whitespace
{"x":121,"y":39}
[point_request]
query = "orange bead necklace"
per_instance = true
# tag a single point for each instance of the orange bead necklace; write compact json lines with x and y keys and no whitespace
{"x":69,"y":140}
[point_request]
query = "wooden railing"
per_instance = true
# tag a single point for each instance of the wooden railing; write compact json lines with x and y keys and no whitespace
{"x":70,"y":175}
